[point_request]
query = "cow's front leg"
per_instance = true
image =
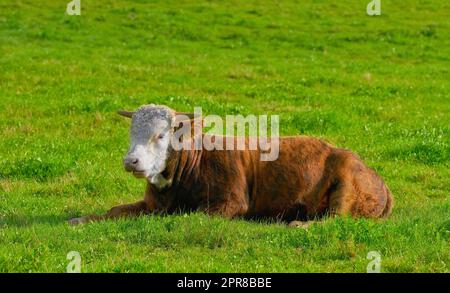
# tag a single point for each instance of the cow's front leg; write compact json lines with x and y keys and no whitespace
{"x":127,"y":210}
{"x":228,"y":209}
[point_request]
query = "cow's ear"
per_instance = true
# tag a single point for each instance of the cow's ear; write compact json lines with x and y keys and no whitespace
{"x":180,"y":120}
{"x":191,"y":119}
{"x":125,"y":113}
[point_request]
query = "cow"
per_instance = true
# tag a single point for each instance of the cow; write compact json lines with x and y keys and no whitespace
{"x":310,"y":178}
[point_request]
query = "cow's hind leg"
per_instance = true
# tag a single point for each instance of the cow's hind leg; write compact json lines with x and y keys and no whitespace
{"x":359,"y":195}
{"x":341,"y":199}
{"x":126,"y":210}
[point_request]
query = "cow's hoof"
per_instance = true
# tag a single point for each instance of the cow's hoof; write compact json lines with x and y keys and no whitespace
{"x":299,"y":224}
{"x":76,"y":221}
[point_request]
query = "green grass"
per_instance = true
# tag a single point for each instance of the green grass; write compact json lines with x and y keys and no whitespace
{"x":376,"y":85}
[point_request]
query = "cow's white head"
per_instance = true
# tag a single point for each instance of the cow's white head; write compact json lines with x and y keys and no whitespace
{"x":151,"y":133}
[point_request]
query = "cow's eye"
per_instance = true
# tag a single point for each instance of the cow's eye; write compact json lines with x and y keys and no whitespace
{"x":160,"y":136}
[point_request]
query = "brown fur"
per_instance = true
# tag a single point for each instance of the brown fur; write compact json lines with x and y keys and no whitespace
{"x":309,"y":179}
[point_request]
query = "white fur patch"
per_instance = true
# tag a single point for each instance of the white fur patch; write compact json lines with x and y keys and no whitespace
{"x":160,"y":182}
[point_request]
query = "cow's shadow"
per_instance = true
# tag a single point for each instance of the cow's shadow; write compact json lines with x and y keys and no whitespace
{"x":27,"y":221}
{"x":57,"y":219}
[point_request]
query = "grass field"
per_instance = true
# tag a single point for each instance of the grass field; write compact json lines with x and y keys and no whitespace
{"x":376,"y":85}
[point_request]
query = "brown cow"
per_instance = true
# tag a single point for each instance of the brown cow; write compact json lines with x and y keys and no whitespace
{"x":309,"y":179}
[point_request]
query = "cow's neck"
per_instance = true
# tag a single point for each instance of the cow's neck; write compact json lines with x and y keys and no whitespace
{"x":181,"y":166}
{"x":187,"y":167}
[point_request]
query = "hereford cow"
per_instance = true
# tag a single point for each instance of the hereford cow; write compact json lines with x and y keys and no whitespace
{"x":308,"y":180}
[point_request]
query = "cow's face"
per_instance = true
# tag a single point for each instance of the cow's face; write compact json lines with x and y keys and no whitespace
{"x":150,"y":136}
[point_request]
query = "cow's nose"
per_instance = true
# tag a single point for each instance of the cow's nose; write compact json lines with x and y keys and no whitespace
{"x":130,"y":163}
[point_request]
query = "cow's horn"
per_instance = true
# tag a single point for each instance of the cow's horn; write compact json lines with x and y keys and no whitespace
{"x":181,"y":117}
{"x":190,"y":115}
{"x":125,"y":113}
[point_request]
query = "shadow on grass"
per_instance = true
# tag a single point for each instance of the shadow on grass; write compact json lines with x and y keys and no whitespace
{"x":26,"y":221}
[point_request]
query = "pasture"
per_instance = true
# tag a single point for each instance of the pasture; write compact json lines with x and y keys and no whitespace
{"x":376,"y":85}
